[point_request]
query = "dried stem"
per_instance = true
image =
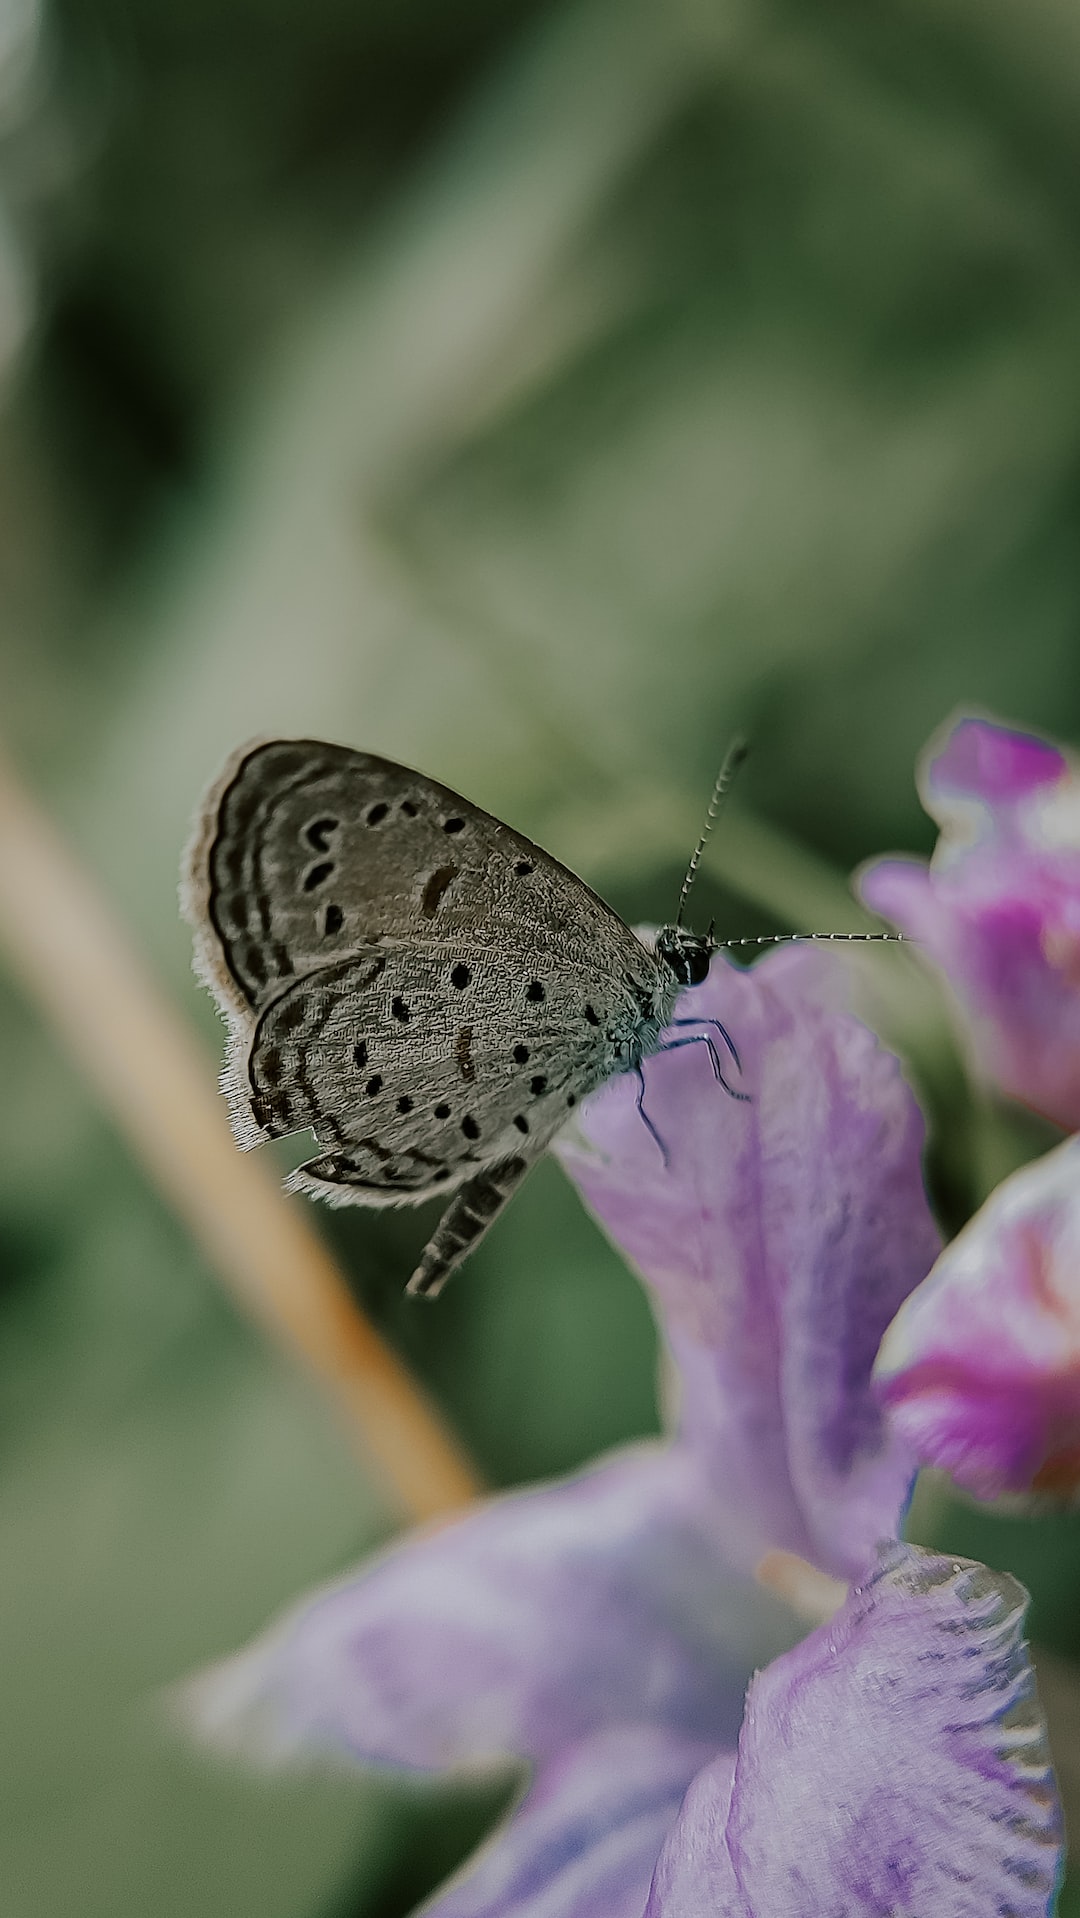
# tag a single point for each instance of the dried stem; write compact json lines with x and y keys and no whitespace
{"x":149,"y":1072}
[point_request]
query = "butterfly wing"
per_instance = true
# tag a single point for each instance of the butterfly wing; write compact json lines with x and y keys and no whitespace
{"x":419,"y":984}
{"x":306,"y":852}
{"x":415,"y":1064}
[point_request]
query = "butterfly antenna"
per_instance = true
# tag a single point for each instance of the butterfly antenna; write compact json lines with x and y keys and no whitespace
{"x":733,"y":759}
{"x":800,"y":938}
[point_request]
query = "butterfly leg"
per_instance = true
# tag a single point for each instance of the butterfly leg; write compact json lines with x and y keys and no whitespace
{"x":703,"y":1039}
{"x":645,"y":1116}
{"x":464,"y":1223}
{"x":722,"y":1030}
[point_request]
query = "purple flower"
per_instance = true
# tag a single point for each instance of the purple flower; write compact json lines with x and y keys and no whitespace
{"x":603,"y":1630}
{"x":981,"y":1368}
{"x":998,"y":907}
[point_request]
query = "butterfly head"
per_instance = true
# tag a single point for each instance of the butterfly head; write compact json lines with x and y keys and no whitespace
{"x":685,"y":954}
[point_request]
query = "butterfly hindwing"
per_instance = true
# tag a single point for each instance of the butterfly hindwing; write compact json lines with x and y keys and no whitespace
{"x":415,"y":1065}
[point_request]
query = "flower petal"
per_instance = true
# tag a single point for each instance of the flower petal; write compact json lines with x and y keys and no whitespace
{"x":998,"y":908}
{"x":981,"y":1368}
{"x":513,"y":1632}
{"x":895,"y":1762}
{"x":586,"y":1838}
{"x":781,"y":1235}
{"x":991,"y":765}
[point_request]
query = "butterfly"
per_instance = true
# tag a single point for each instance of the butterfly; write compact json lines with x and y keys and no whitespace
{"x":417,"y":983}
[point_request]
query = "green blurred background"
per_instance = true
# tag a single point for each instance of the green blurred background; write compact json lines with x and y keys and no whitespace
{"x":537,"y":394}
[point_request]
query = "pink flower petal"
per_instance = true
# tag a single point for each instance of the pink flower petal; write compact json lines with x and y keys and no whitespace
{"x":990,"y":763}
{"x":513,"y":1632}
{"x":895,"y":1762}
{"x":585,"y":1840}
{"x":779,"y":1237}
{"x":981,"y":1369}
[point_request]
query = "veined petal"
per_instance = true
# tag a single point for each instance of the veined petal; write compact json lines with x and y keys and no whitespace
{"x":895,"y":1762}
{"x":513,"y":1632}
{"x":998,"y":908}
{"x":981,"y":1368}
{"x":780,"y":1236}
{"x":584,"y":1841}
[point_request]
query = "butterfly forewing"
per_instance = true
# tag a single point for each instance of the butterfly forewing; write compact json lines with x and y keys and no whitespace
{"x":307,"y":851}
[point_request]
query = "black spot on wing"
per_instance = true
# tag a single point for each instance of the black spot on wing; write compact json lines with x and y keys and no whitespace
{"x":463,"y":1054}
{"x":434,"y":888}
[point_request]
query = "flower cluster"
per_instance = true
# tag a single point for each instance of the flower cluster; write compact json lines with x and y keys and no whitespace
{"x":981,"y":1370}
{"x":604,"y":1630}
{"x":998,"y":908}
